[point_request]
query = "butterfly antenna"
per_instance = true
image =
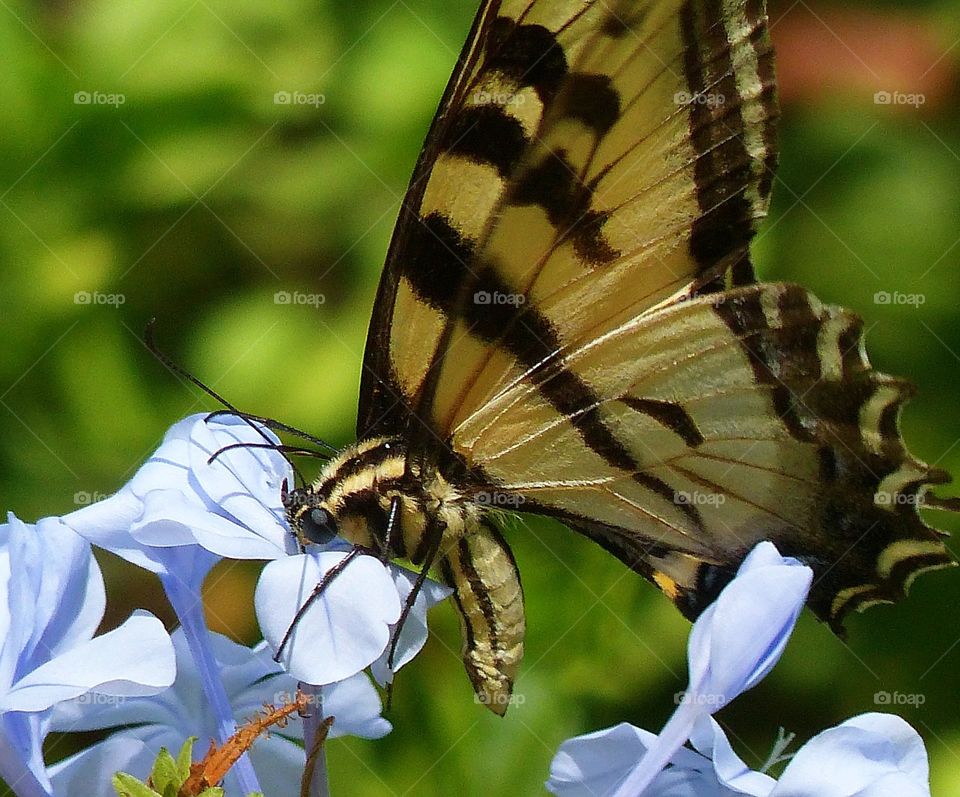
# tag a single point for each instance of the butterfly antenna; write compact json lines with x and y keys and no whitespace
{"x":278,"y":426}
{"x":150,"y":342}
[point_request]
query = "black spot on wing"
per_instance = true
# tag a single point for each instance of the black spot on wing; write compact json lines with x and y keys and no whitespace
{"x":555,"y":186}
{"x":437,"y":257}
{"x":527,"y":55}
{"x":592,"y":100}
{"x":486,"y":134}
{"x":673,"y":416}
{"x":829,"y":466}
{"x":710,"y":581}
{"x":743,"y":314}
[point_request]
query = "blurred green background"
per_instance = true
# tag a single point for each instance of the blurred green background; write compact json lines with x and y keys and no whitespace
{"x":199,"y":197}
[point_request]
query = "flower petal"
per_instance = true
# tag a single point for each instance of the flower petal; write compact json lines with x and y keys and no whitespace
{"x":413,"y":635}
{"x":106,"y":524}
{"x":89,"y":771}
{"x":595,"y":763}
{"x":341,"y":632}
{"x":856,"y":757}
{"x":741,"y":636}
{"x":244,"y":483}
{"x":134,"y":659}
{"x":709,"y":739}
{"x":355,"y":704}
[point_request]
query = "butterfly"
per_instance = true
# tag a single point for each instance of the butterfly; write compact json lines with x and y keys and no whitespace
{"x":568,"y":324}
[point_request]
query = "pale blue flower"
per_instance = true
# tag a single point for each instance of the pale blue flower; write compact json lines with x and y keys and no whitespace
{"x":181,"y":512}
{"x":732,"y":646}
{"x":873,"y":755}
{"x":51,"y":602}
{"x":251,"y":679}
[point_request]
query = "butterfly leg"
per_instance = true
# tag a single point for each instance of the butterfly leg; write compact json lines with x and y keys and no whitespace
{"x":318,"y":590}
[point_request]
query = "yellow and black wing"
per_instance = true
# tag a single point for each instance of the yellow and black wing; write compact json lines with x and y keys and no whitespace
{"x":568,"y":311}
{"x":590,"y":160}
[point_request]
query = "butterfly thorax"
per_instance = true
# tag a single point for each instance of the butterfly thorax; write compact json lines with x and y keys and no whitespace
{"x":437,"y":522}
{"x":354,"y":494}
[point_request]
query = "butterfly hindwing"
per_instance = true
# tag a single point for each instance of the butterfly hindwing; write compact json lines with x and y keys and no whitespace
{"x":731,"y":418}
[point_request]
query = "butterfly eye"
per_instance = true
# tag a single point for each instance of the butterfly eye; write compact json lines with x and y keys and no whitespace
{"x":318,"y":526}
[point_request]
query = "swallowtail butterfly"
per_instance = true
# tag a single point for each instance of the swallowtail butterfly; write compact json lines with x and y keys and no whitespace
{"x":568,"y":322}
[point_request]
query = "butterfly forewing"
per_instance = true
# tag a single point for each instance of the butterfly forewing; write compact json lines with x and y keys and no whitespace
{"x":589,"y":160}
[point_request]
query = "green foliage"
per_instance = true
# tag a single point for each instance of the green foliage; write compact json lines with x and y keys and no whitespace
{"x":198,"y":199}
{"x":166,"y":778}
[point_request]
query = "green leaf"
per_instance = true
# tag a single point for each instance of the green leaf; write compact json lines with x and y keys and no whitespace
{"x":213,"y":791}
{"x":165,"y":773}
{"x":128,"y":786}
{"x":185,"y":758}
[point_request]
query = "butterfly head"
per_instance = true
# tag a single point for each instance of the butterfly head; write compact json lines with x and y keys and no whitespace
{"x":352,"y":496}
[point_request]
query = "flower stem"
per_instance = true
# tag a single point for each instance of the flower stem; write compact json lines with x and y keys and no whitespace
{"x":673,"y":736}
{"x":17,"y":776}
{"x":188,"y":605}
{"x":315,"y":735}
